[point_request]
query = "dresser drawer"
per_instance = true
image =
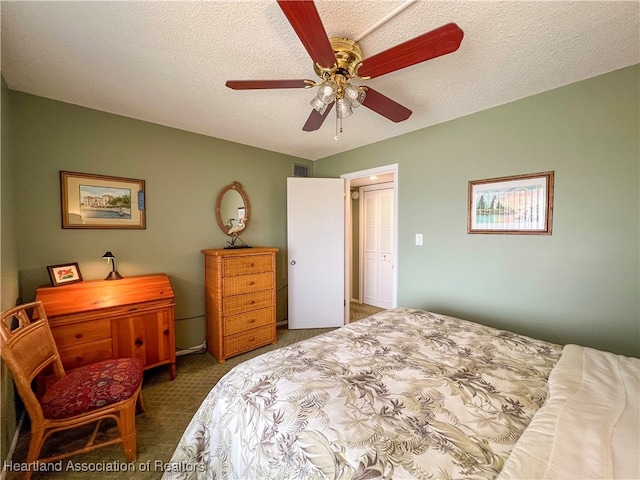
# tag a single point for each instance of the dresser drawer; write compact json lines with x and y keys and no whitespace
{"x":243,"y":342}
{"x":246,"y":265}
{"x":81,"y":332}
{"x":247,"y":302}
{"x":246,"y":321}
{"x":246,"y":283}
{"x":79,"y":355}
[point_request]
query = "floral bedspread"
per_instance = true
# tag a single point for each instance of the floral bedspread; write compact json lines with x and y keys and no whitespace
{"x":402,"y":394}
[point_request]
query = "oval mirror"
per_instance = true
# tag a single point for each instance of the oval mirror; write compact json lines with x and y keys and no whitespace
{"x":232,"y":209}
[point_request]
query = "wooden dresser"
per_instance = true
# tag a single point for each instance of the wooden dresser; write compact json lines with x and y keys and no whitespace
{"x":241,"y":300}
{"x":99,"y":319}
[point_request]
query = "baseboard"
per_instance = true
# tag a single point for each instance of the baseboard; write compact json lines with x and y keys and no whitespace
{"x":14,"y":442}
{"x":195,"y":349}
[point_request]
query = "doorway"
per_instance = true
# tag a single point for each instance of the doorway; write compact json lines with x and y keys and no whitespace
{"x":383,"y":261}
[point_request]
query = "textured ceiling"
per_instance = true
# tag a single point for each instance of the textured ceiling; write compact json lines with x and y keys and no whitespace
{"x":167,"y":62}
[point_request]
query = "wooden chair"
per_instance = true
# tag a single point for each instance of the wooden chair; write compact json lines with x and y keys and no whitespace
{"x":85,"y":395}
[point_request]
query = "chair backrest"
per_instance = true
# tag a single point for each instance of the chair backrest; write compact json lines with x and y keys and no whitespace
{"x":28,"y":348}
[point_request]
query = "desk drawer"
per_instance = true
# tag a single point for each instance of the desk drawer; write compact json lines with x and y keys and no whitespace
{"x":247,"y":302}
{"x":246,"y":321}
{"x":243,"y":342}
{"x":233,"y":266}
{"x":79,"y":355}
{"x":81,"y":332}
{"x":246,"y":283}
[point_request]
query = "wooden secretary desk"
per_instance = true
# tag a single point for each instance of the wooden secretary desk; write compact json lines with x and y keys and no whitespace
{"x":240,"y":300}
{"x":99,"y":319}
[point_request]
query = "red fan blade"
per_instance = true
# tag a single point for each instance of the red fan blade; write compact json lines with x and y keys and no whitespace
{"x":305,"y":20}
{"x":435,"y":43}
{"x":259,"y":84}
{"x":386,"y":107}
{"x":315,"y":120}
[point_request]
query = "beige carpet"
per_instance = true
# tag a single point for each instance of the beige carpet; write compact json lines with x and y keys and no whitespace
{"x":362,"y":310}
{"x":169,"y":408}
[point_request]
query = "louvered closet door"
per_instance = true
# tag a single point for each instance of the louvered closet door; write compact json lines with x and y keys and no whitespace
{"x":378,"y":247}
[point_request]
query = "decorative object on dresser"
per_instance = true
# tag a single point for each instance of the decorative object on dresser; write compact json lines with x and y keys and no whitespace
{"x":233,"y":213}
{"x":110,"y":258}
{"x":64,"y":274}
{"x":241,"y":300}
{"x":99,"y":319}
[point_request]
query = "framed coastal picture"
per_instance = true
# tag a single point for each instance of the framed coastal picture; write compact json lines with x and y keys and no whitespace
{"x":519,"y":204}
{"x":64,"y":274}
{"x":98,"y":201}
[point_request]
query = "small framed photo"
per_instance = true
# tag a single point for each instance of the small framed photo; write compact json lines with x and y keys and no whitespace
{"x":64,"y":274}
{"x":97,"y":201}
{"x":519,"y":204}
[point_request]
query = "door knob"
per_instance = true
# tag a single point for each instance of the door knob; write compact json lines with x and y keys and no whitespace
{"x":293,"y":262}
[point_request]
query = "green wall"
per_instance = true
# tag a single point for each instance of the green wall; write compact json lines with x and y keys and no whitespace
{"x":183,"y":174}
{"x":8,"y":267}
{"x":578,"y":285}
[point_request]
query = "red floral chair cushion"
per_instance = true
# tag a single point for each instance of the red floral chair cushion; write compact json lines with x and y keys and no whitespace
{"x":91,"y":387}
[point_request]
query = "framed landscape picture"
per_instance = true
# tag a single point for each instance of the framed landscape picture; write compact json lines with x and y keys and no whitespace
{"x":98,"y":201}
{"x":519,"y":204}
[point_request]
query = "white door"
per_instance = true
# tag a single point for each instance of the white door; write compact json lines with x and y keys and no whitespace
{"x":378,"y":247}
{"x":315,"y":244}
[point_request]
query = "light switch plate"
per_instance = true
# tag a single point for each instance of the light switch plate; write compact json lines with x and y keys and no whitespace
{"x":418,"y":239}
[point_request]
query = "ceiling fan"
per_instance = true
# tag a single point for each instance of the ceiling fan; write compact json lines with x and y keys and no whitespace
{"x":338,"y":60}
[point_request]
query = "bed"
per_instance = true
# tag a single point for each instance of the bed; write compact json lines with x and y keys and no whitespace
{"x":408,"y":394}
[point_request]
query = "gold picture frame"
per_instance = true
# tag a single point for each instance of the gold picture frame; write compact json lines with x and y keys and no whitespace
{"x":99,"y":201}
{"x":518,"y":204}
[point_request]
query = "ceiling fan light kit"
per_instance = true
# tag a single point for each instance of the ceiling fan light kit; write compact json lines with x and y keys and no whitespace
{"x":338,"y":60}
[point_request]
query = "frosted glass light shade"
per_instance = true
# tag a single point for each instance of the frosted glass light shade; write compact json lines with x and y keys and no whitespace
{"x":355,"y":94}
{"x":343,"y":108}
{"x":327,"y":91}
{"x":318,"y":105}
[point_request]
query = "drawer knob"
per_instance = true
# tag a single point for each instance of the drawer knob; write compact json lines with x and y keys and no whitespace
{"x":252,"y":264}
{"x":251,"y":302}
{"x":78,"y":335}
{"x":251,"y":283}
{"x":139,"y":342}
{"x":252,"y":339}
{"x":252,"y":320}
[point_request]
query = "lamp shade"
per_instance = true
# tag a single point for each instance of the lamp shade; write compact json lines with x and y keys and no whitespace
{"x":327,"y":91}
{"x":318,"y":105}
{"x":355,"y":94}
{"x":113,"y":275}
{"x":343,"y":108}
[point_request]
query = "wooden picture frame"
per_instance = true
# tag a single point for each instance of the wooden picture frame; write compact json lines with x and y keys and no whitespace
{"x":98,"y":201}
{"x":518,"y":204}
{"x":64,"y":274}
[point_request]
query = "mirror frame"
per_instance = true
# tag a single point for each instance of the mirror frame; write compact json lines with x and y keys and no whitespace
{"x":238,"y":188}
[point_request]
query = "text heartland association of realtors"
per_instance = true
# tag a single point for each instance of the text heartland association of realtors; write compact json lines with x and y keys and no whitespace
{"x":71,"y":466}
